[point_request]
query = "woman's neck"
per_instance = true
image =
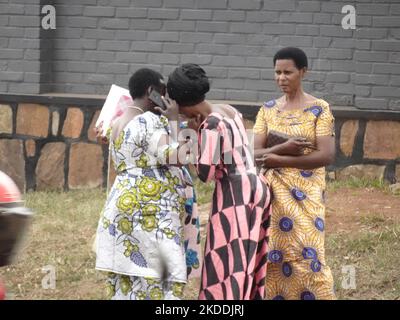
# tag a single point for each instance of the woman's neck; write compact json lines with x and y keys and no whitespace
{"x":204,"y":108}
{"x":295,"y":97}
{"x":141,"y":104}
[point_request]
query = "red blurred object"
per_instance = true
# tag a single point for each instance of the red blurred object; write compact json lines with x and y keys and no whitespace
{"x":14,"y":220}
{"x":2,"y":292}
{"x":9,"y":191}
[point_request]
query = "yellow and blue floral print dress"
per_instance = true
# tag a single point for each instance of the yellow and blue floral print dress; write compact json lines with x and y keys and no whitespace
{"x":296,"y":261}
{"x":140,"y":236}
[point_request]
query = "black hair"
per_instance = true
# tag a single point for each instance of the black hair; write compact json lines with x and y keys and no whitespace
{"x":142,"y":79}
{"x":188,"y":85}
{"x":291,"y":53}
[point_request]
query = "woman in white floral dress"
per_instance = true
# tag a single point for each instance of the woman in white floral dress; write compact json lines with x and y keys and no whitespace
{"x":140,"y":239}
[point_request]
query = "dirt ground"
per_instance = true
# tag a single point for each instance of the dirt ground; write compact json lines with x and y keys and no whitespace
{"x":347,"y":208}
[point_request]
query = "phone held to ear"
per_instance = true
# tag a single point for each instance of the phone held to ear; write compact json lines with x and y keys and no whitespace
{"x":155,"y":97}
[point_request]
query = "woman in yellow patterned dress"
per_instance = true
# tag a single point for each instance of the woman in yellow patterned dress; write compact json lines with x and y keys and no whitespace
{"x":295,"y":171}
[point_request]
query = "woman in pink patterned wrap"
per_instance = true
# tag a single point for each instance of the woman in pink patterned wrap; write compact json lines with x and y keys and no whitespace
{"x":234,"y":266}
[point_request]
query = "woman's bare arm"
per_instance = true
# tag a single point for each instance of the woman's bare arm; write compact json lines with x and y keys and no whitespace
{"x":324,"y":156}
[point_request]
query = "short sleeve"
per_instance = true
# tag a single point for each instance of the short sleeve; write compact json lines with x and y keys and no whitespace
{"x":159,"y":142}
{"x":161,"y":152}
{"x":261,"y":127}
{"x":325,"y":125}
{"x":145,"y":133}
{"x":137,"y":131}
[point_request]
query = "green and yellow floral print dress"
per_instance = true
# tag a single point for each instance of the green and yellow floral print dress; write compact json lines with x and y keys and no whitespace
{"x":140,"y":234}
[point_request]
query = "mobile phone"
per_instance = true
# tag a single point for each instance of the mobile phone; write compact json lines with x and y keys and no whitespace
{"x":155,"y":97}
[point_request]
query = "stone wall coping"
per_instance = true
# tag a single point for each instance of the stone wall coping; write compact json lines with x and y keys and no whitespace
{"x":248,"y":109}
{"x":60,"y":99}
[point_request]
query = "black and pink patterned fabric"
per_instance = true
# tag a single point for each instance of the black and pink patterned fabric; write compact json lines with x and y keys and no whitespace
{"x":235,"y":259}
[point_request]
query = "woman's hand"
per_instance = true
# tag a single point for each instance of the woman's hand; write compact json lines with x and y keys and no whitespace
{"x":270,"y":160}
{"x":171,"y":109}
{"x":98,"y":131}
{"x":294,"y":147}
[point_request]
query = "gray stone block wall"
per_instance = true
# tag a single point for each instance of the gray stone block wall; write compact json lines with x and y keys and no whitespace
{"x":20,"y":65}
{"x":100,"y":42}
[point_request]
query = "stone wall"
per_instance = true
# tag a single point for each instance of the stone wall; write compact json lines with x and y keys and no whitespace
{"x":47,"y":142}
{"x":367,"y":147}
{"x":50,"y":144}
{"x":100,"y":42}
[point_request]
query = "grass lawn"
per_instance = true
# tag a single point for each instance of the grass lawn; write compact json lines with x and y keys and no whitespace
{"x":362,"y":232}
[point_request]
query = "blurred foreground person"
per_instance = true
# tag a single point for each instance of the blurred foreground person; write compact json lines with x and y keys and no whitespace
{"x":14,"y":220}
